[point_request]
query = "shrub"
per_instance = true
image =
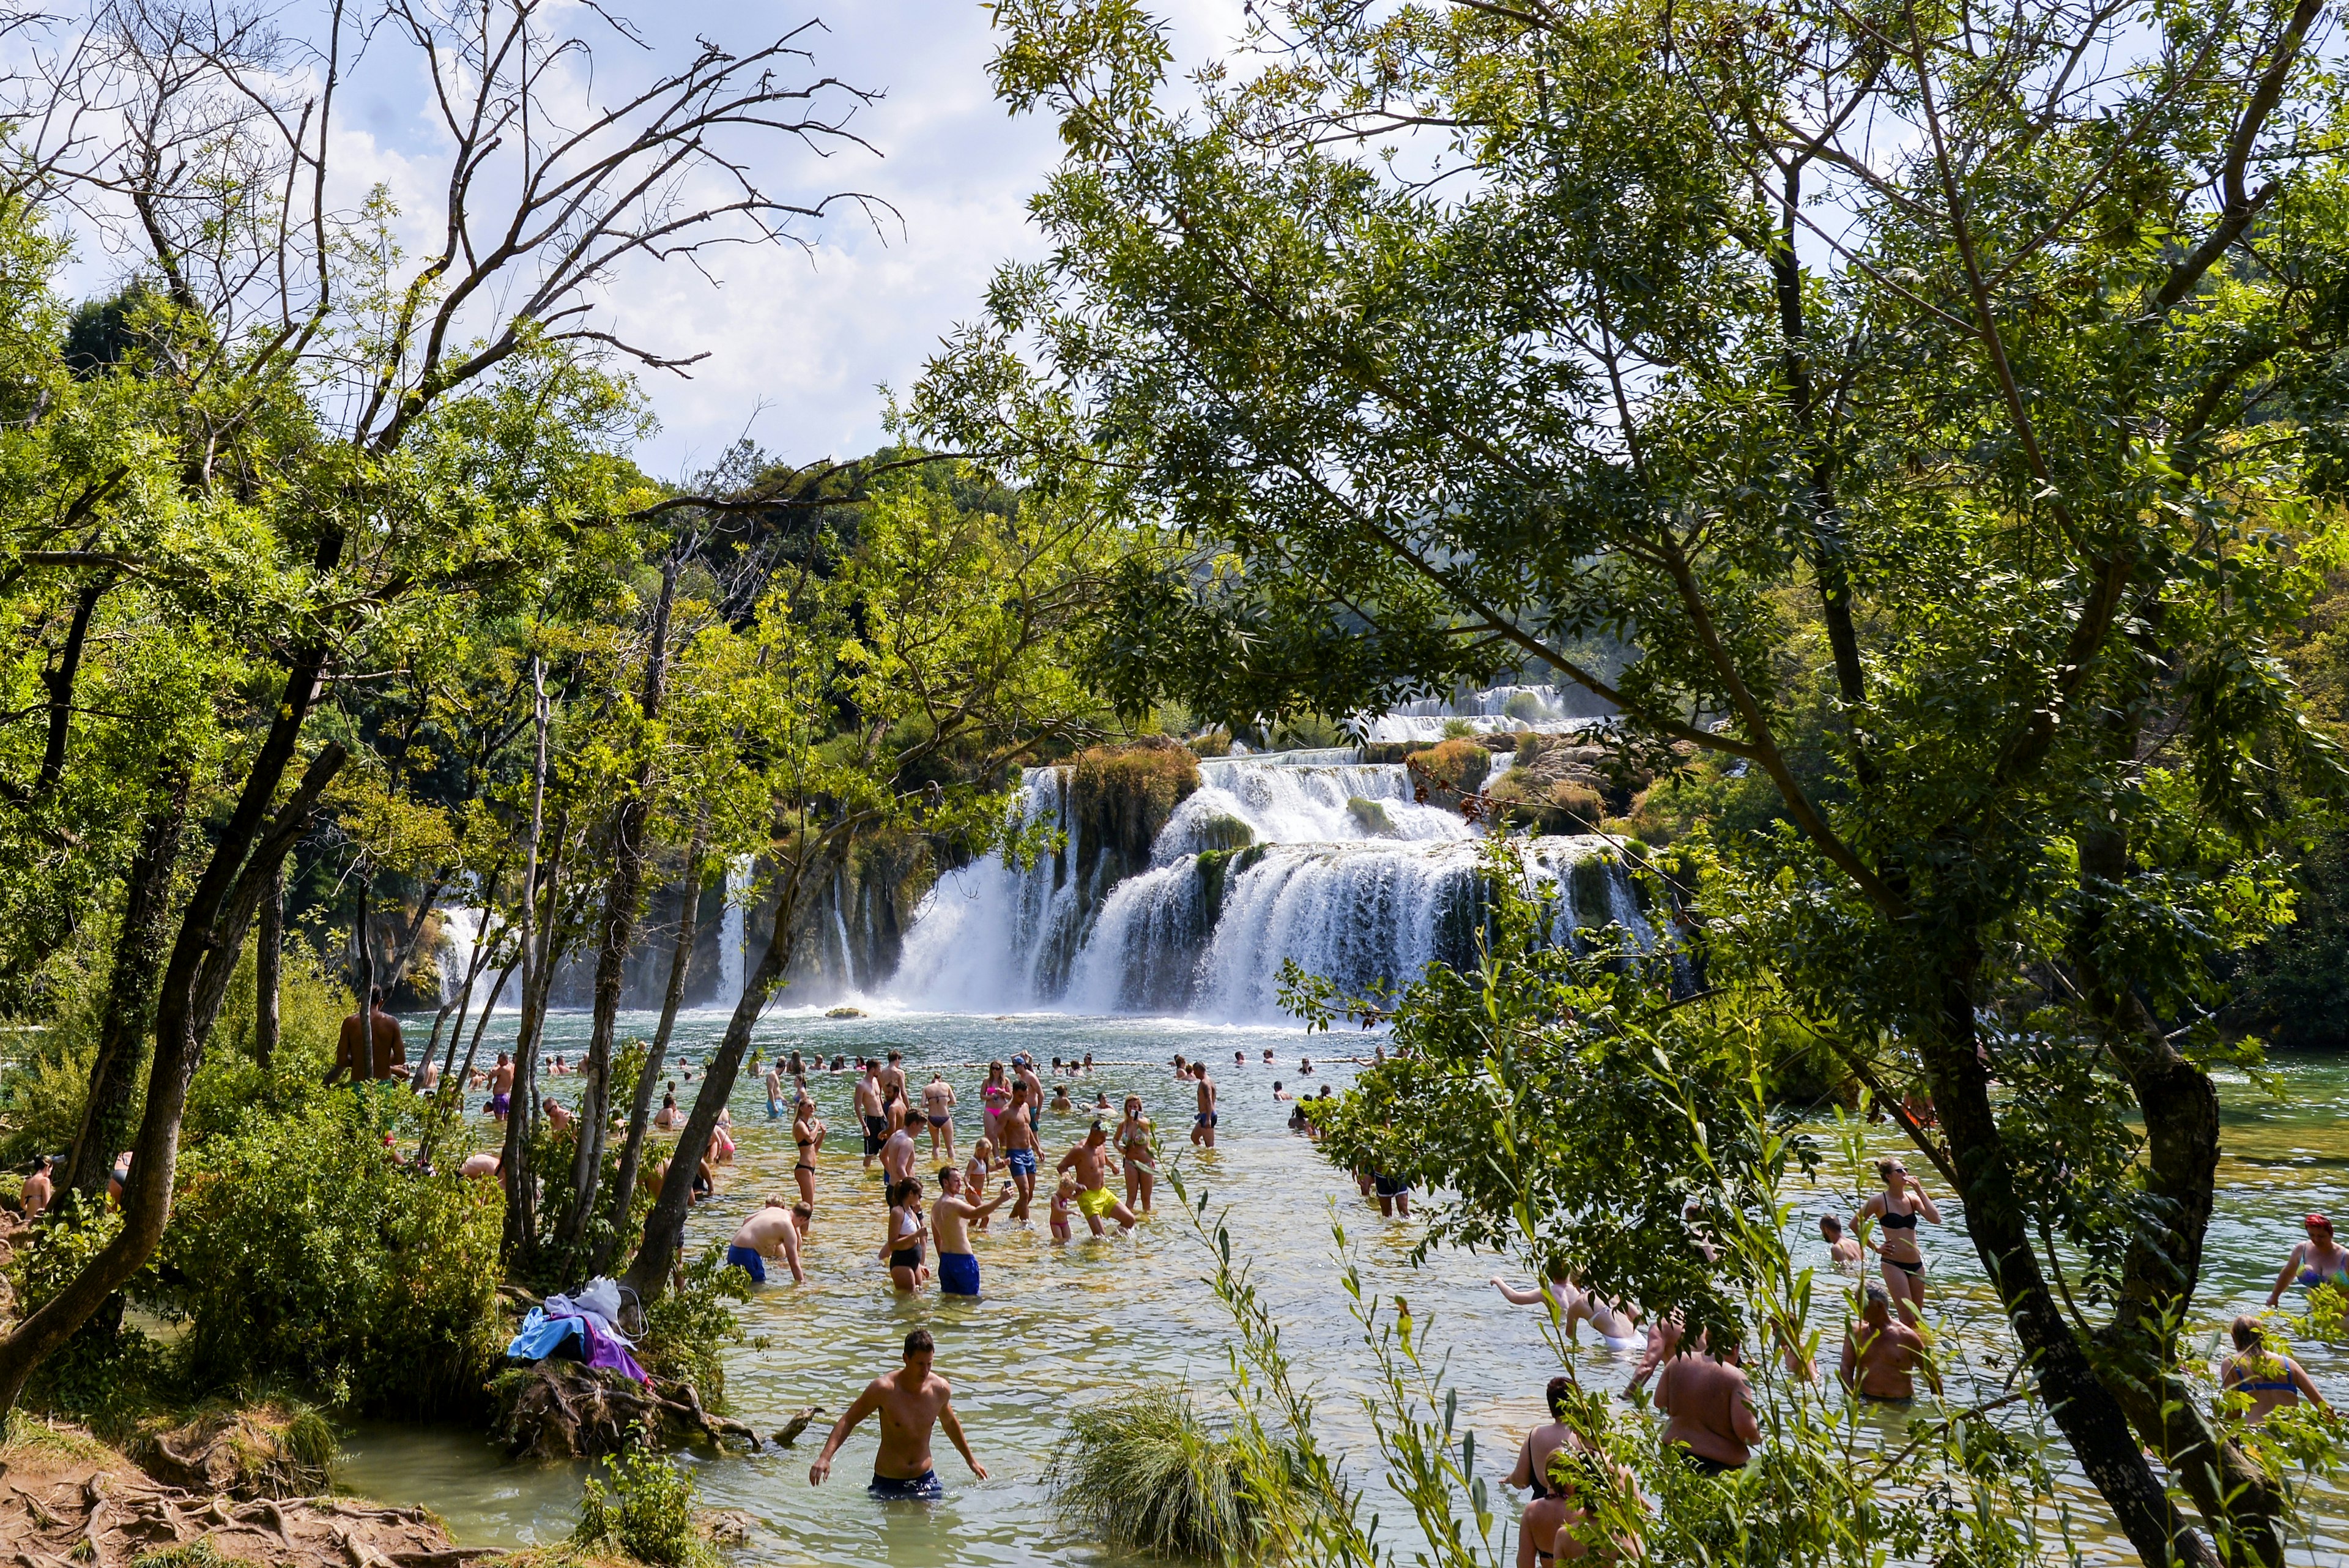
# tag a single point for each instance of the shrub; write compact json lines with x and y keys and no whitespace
{"x":1457,"y":764}
{"x":1147,"y":1472}
{"x":299,"y":1250}
{"x":198,"y":1553}
{"x":42,"y":1096}
{"x":647,"y":1513}
{"x":1458,"y":729}
{"x":1524,"y":707}
{"x":687,"y":1330}
{"x":1211,"y":744}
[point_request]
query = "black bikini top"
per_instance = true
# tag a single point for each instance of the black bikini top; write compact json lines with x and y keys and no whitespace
{"x":1898,"y":1221}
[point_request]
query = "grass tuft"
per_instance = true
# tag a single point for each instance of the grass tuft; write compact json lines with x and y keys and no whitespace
{"x":1149,"y":1473}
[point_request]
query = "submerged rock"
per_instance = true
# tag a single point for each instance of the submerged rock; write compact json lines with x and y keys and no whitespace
{"x":1370,"y":816}
{"x":844,"y":1012}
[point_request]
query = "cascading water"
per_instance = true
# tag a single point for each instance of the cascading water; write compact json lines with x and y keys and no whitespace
{"x":731,"y":930}
{"x":1495,"y":709}
{"x":1311,"y":856}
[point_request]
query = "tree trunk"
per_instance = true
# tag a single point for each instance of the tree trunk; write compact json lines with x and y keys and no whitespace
{"x":521,"y":1220}
{"x":129,"y":996}
{"x":648,"y":1272}
{"x":688,"y":924}
{"x":211,"y":934}
{"x":451,"y":1098}
{"x":268,"y":967}
{"x":366,"y":971}
{"x":621,"y":897}
{"x":2090,"y":1418}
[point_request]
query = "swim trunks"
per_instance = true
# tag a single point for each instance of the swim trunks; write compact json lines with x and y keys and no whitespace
{"x":747,"y":1259}
{"x":1205,"y":1119}
{"x":1022,"y":1161}
{"x":957,"y":1274}
{"x":922,"y":1488}
{"x":876,"y":1133}
{"x":1095,"y":1201}
{"x":1699,"y":1463}
{"x":1389,"y":1186}
{"x":500,"y":1104}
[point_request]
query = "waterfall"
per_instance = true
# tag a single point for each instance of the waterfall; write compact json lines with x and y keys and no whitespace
{"x":1496,"y":708}
{"x":732,"y":931}
{"x":1311,"y":856}
{"x":460,"y":931}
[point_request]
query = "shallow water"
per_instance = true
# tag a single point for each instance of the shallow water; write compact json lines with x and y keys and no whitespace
{"x":1059,"y":1326}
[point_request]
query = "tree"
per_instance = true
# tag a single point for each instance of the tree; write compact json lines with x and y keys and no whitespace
{"x":357,"y":451}
{"x":2002,"y":349}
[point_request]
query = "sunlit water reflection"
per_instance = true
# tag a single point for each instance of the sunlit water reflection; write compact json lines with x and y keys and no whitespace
{"x":1059,"y":1325}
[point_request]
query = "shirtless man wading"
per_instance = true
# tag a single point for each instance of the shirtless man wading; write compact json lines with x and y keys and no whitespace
{"x":1093,"y":1196}
{"x":912,"y":1401}
{"x":872,"y":1109}
{"x":893,"y":1078}
{"x":950,"y":1218}
{"x":1018,"y":1128}
{"x":897,"y":1156}
{"x":773,"y":1231}
{"x":774,"y":1083}
{"x":502,"y":1087}
{"x":1026,"y":1085}
{"x":1203,"y":1125}
{"x":1881,"y":1352}
{"x":937,"y":1109}
{"x":1707,"y":1408}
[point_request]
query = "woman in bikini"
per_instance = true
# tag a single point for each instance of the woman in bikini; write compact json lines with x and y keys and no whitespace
{"x":1137,"y":1145}
{"x":1560,"y":1467}
{"x":902,"y":1246}
{"x":994,"y":1096}
{"x":1900,"y":1205}
{"x":808,"y":1132}
{"x":2267,"y":1378}
{"x":2319,"y":1261}
{"x":976,"y":1175}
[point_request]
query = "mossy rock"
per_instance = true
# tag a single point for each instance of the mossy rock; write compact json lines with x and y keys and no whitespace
{"x":1224,"y":831}
{"x":1459,"y":766}
{"x":1370,"y":816}
{"x":1216,"y":868}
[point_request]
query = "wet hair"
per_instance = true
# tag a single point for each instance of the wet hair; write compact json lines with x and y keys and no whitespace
{"x":375,"y":993}
{"x":919,"y":1342}
{"x":1275,"y":1085}
{"x":2246,"y":1330}
{"x":1558,"y":1396}
{"x":1830,"y":1226}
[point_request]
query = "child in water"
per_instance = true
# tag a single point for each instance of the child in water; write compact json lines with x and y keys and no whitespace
{"x":975,"y":1175}
{"x":1062,"y":1196}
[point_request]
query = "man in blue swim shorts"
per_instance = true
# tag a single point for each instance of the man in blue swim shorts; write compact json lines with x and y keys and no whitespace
{"x":913,"y":1400}
{"x":773,"y":1231}
{"x":950,"y":1218}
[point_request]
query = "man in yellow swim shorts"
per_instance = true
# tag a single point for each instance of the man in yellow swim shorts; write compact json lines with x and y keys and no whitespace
{"x":1093,"y":1164}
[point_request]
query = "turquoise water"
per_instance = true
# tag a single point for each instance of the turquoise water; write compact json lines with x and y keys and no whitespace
{"x":1061,"y":1324}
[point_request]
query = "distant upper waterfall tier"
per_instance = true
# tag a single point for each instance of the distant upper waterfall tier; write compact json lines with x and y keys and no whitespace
{"x":1302,"y":855}
{"x":1497,"y":709}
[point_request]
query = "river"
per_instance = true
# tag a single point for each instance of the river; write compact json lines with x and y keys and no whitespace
{"x":1061,"y":1324}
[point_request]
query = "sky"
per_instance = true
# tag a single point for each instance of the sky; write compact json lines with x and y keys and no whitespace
{"x":800,"y":341}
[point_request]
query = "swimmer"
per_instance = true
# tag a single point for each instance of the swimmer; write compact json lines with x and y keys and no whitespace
{"x":482,"y":1166}
{"x":668,"y":1118}
{"x":957,"y":1264}
{"x":556,"y":1117}
{"x":1182,"y":1068}
{"x":873,"y":1110}
{"x":721,"y":1137}
{"x":1618,"y":1327}
{"x":893,"y":1076}
{"x":1062,"y":1196}
{"x":911,"y":1402}
{"x":976,"y":1174}
{"x":1879,"y":1353}
{"x":1091,"y":1171}
{"x":1239,"y":1058}
{"x":1280,"y":1094}
{"x":1305,"y":1066}
{"x":1843,"y":1249}
{"x":771,"y":1231}
{"x":897,"y":1153}
{"x":993,"y":1095}
{"x":902,"y":1243}
{"x":1901,"y":1204}
{"x":2319,"y":1261}
{"x":1019,"y":1154}
{"x":1393,"y":1193}
{"x":1708,"y":1407}
{"x":38,"y":1188}
{"x":2269,"y":1379}
{"x":501,"y":1078}
{"x":1137,"y":1146}
{"x":1268,"y":1055}
{"x":938,"y":1110}
{"x":774,"y":1083}
{"x":1061,"y":1098}
{"x":808,"y":1133}
{"x":1203,"y":1124}
{"x":1298,"y":1122}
